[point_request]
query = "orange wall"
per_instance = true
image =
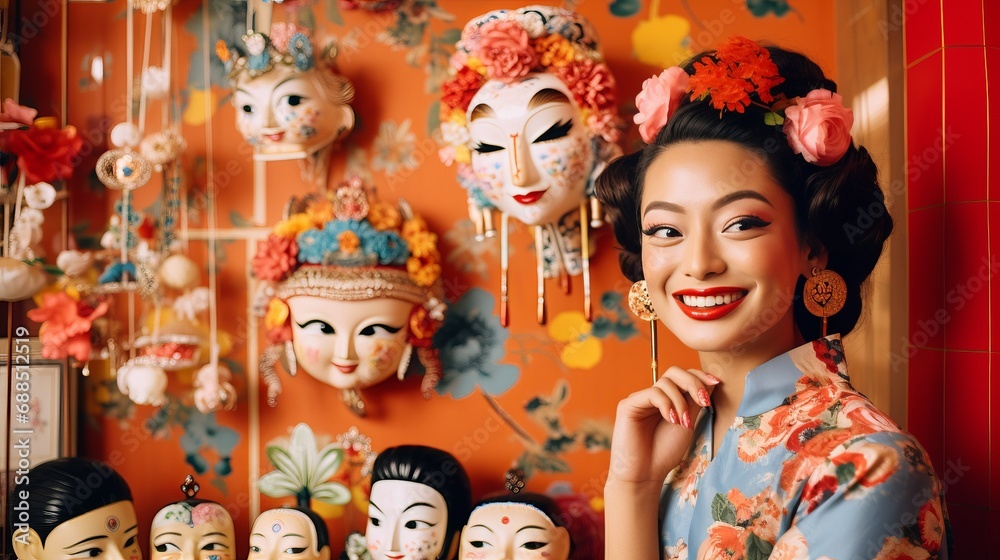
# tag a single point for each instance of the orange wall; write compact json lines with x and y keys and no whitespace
{"x":389,"y":89}
{"x":952,"y":58}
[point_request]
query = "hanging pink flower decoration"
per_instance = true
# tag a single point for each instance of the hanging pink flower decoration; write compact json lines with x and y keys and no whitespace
{"x":818,"y":126}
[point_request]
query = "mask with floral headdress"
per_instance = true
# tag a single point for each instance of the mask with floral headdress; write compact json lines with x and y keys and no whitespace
{"x":529,"y":119}
{"x":288,"y":95}
{"x":354,"y":288}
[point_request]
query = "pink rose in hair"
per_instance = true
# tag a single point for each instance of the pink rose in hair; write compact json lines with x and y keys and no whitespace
{"x":506,"y":51}
{"x":658,"y":100}
{"x":818,"y":126}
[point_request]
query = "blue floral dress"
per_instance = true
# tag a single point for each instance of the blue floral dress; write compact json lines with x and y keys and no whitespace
{"x":809,"y":469}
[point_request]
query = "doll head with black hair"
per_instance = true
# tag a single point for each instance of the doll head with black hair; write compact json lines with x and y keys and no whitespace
{"x":420,"y":499}
{"x":73,"y":507}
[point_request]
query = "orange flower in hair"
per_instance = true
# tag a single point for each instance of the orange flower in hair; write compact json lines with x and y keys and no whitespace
{"x":740,"y":67}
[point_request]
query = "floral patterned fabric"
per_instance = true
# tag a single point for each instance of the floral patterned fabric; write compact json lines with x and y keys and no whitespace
{"x":809,"y":469}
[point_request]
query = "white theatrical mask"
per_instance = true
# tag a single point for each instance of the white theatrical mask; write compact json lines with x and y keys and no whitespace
{"x":350,"y":344}
{"x":287,"y":110}
{"x":183,"y":531}
{"x":406,"y":521}
{"x":531,"y":152}
{"x":285,"y":534}
{"x":512,"y":531}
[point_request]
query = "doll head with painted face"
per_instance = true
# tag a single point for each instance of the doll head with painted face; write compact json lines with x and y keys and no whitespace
{"x":73,"y":508}
{"x":289,"y":533}
{"x":522,"y":527}
{"x":356,"y":290}
{"x":420,"y":497}
{"x":288,"y":98}
{"x":529,"y":115}
{"x":192,"y":529}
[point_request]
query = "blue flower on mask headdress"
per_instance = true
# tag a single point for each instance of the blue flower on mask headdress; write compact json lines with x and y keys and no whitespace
{"x":389,"y":247}
{"x":314,"y":244}
{"x":301,"y":50}
{"x":362,"y":229}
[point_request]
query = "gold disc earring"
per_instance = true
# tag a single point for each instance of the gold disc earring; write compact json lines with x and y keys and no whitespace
{"x":642,"y":306}
{"x":824,"y":294}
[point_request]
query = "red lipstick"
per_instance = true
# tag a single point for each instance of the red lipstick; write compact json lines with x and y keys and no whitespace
{"x":715,"y":311}
{"x":276,"y":137}
{"x":531,"y":197}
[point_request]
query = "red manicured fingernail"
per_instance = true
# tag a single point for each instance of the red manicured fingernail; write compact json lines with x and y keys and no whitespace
{"x":687,"y":419}
{"x":703,"y":397}
{"x":712,"y":379}
{"x":673,"y":416}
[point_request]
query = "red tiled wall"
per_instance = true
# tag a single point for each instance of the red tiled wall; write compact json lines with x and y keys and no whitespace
{"x":953,"y":171}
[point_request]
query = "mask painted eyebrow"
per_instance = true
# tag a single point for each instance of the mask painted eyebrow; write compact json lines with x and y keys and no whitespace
{"x":417,"y":504}
{"x":484,"y":527}
{"x":526,"y":527}
{"x":547,"y":95}
{"x":721,"y":202}
{"x":482,"y":111}
{"x":86,"y":540}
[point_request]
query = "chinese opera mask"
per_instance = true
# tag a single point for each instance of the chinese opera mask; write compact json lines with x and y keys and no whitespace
{"x":288,"y":100}
{"x":289,"y":533}
{"x":288,"y":109}
{"x":61,"y":521}
{"x":420,"y":496}
{"x":355,"y":292}
{"x":192,"y":530}
{"x":530,"y":151}
{"x":529,"y":117}
{"x":515,"y":528}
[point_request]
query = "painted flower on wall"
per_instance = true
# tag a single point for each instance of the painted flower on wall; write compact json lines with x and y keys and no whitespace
{"x":471,"y":342}
{"x":395,"y":146}
{"x":546,"y":456}
{"x":582,"y":339}
{"x":760,"y":8}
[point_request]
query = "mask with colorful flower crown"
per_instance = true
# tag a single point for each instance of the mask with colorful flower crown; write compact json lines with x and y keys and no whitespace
{"x":352,"y":288}
{"x":529,"y":119}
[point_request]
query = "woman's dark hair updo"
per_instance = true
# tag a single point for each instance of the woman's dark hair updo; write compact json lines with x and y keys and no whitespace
{"x":840,"y":206}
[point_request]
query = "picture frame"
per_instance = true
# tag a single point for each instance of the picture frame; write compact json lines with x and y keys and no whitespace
{"x":47,"y":426}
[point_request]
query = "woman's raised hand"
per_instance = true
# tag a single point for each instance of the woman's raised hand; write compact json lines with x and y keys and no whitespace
{"x":653,"y":427}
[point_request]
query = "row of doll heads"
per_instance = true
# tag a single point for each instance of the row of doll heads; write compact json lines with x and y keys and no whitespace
{"x":527,"y":140}
{"x":420,"y":508}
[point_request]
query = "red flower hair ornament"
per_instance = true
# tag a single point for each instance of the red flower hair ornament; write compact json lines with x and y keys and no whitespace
{"x":817,"y":126}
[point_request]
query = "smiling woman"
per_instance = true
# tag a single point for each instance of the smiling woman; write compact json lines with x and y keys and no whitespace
{"x":75,"y":508}
{"x":732,"y":224}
